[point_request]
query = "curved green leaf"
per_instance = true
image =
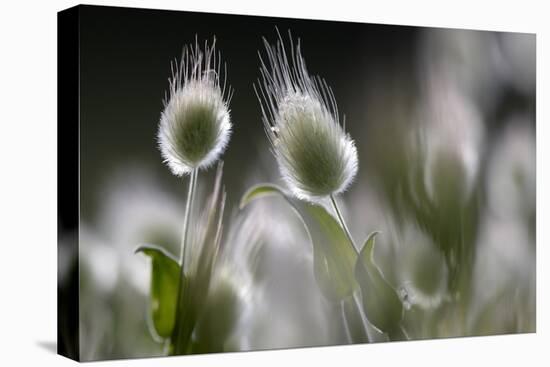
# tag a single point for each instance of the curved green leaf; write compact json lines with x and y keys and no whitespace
{"x":381,"y":303}
{"x":259,"y":191}
{"x":165,"y":273}
{"x":333,"y":255}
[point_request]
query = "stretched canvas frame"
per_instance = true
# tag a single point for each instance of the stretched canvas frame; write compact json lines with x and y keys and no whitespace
{"x":321,"y":182}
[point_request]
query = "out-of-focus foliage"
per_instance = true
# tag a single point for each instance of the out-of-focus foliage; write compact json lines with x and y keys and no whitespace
{"x":449,"y":242}
{"x":204,"y":317}
{"x":217,"y":321}
{"x":333,"y":254}
{"x":382,"y":305}
{"x":339,"y":269}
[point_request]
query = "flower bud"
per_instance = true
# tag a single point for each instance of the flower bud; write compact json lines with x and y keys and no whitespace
{"x":315,"y":155}
{"x":195,"y":125}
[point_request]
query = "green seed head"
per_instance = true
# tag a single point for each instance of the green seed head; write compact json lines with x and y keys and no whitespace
{"x":315,"y":156}
{"x":195,"y":125}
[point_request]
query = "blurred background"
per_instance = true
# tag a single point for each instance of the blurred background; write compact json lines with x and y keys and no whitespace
{"x":444,"y":123}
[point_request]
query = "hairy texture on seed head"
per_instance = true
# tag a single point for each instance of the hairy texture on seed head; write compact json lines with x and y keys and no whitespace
{"x":195,"y":125}
{"x":315,"y":155}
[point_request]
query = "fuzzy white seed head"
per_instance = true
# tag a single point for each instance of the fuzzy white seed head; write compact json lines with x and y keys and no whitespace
{"x":316,"y":157}
{"x":195,"y":125}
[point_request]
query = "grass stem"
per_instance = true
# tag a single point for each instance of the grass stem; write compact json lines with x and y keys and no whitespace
{"x":356,"y":302}
{"x":343,"y":223}
{"x":187,"y":218}
{"x":178,"y":333}
{"x":345,"y":322}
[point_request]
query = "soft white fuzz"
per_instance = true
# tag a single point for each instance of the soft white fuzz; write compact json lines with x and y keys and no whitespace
{"x":315,"y":155}
{"x":195,"y":125}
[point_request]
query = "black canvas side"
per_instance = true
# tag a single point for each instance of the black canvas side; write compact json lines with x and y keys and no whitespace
{"x":68,"y":183}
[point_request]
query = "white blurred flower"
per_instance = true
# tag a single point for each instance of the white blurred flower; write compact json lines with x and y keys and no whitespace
{"x":470,"y":60}
{"x":269,"y":255}
{"x":100,"y":259}
{"x":512,"y":180}
{"x":423,"y":273}
{"x":452,"y":133}
{"x":136,"y":210}
{"x":505,"y":259}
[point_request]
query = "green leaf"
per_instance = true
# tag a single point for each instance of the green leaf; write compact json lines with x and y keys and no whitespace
{"x":259,"y":191}
{"x":165,"y":273}
{"x":333,"y":255}
{"x":381,"y":304}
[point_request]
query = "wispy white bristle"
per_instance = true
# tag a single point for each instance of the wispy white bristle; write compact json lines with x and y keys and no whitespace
{"x":315,"y":155}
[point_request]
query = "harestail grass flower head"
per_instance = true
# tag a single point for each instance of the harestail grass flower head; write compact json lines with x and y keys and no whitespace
{"x":315,"y":155}
{"x":195,"y":125}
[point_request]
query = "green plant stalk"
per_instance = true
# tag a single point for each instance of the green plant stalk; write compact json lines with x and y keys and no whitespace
{"x":366,"y":326}
{"x":177,"y":334}
{"x":347,"y":327}
{"x":350,"y":238}
{"x":354,"y":320}
{"x":343,"y":223}
{"x":398,"y":334}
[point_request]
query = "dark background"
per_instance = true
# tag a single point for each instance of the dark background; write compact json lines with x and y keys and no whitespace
{"x":125,"y":57}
